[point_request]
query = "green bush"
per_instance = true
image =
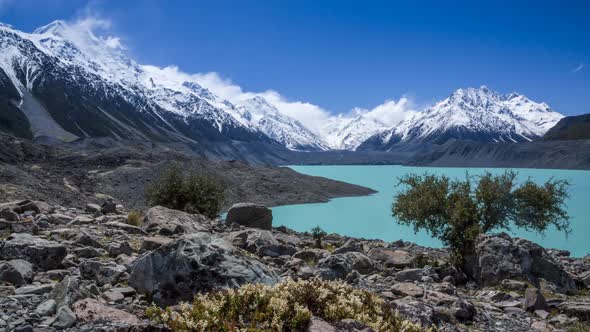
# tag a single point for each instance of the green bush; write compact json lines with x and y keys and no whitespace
{"x":192,"y":193}
{"x":457,"y":211}
{"x":318,"y":235}
{"x":579,"y":327}
{"x":287,"y":306}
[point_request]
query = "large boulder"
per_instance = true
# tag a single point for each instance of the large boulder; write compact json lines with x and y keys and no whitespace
{"x":250,"y":215}
{"x":338,"y":266}
{"x":91,"y":311}
{"x":103,"y":272}
{"x":392,"y":258}
{"x":499,"y":257}
{"x":164,"y":221}
{"x":195,"y":263}
{"x":46,"y":255}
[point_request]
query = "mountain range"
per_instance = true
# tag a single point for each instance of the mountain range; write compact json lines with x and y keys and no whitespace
{"x":63,"y":83}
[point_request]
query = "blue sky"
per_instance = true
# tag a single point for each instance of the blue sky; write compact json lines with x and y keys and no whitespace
{"x":345,"y":54}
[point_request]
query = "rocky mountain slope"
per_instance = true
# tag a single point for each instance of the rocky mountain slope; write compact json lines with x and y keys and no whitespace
{"x":71,"y":175}
{"x":570,"y":128}
{"x":471,"y":114}
{"x":90,"y":269}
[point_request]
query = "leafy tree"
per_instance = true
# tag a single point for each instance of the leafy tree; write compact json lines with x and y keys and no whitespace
{"x":192,"y":193}
{"x":457,"y":211}
{"x":318,"y":235}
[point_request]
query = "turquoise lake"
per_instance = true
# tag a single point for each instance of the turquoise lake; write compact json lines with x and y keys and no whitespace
{"x":370,"y":216}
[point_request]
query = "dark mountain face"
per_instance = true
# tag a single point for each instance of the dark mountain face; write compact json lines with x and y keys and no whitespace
{"x":570,"y":128}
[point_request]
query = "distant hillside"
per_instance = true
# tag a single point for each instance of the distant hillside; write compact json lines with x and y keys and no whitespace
{"x":570,"y":128}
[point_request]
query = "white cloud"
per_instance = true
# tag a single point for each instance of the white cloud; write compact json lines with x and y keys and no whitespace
{"x":578,"y":68}
{"x":314,"y":117}
{"x":113,"y":42}
{"x":390,"y":113}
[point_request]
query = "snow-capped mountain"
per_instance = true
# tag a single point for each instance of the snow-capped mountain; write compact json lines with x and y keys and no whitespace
{"x":472,"y":114}
{"x":347,"y":133}
{"x":64,"y":82}
{"x":286,"y":130}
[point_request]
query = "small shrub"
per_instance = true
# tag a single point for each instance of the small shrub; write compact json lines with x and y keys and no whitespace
{"x":318,"y":235}
{"x":287,"y":306}
{"x":422,"y":260}
{"x":579,"y":327}
{"x":190,"y":193}
{"x":330,"y":247}
{"x":135,"y":218}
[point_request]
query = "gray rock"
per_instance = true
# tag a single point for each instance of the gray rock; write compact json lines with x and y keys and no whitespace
{"x":580,"y":310}
{"x":276,"y":250}
{"x":92,"y":208}
{"x":415,"y":274}
{"x":24,"y":328}
{"x":67,"y":291}
{"x":317,"y":324}
{"x":103,"y":272}
{"x":463,"y":310}
{"x":113,"y":296}
{"x":251,"y":239}
{"x":59,"y":218}
{"x":77,"y":237}
{"x":311,"y":255}
{"x":166,"y":222}
{"x":392,"y":258}
{"x":126,"y":291}
{"x":195,"y":263}
{"x":34,"y":289}
{"x":534,"y":300}
{"x":7,"y":214}
{"x":46,"y":255}
{"x":351,"y":245}
{"x":499,"y":257}
{"x":514,"y":285}
{"x":46,"y":308}
{"x":153,"y":243}
{"x":125,"y":227}
{"x":108,"y":207}
{"x":17,"y":272}
{"x":118,"y":248}
{"x":543,"y":314}
{"x":88,"y":252}
{"x":407,"y":289}
{"x":416,"y":311}
{"x":65,"y":318}
{"x":338,"y":266}
{"x":250,"y":215}
{"x":81,"y":220}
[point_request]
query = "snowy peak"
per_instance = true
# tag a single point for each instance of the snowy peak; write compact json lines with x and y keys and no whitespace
{"x":268,"y":119}
{"x":478,"y":114}
{"x":55,"y":28}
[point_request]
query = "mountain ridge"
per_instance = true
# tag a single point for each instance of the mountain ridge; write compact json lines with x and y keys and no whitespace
{"x":471,"y":114}
{"x":64,"y":82}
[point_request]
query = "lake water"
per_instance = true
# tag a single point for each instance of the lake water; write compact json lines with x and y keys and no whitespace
{"x":370,"y":216}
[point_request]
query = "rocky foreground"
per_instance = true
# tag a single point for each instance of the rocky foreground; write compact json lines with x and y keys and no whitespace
{"x":91,"y":270}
